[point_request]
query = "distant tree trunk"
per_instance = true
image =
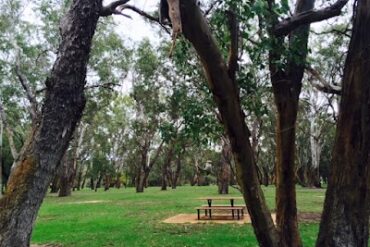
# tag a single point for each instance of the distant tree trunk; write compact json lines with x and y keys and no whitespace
{"x":118,"y":182}
{"x":166,"y":165}
{"x":54,"y":188}
{"x":107,"y":181}
{"x":221,"y":82}
{"x":345,"y":219}
{"x":66,"y":176}
{"x":145,"y":167}
{"x":224,"y":173}
{"x":80,"y":183}
{"x":92,"y":184}
{"x":98,"y":182}
{"x":197,"y":175}
{"x":140,"y":182}
{"x":176,"y":175}
{"x":62,"y":109}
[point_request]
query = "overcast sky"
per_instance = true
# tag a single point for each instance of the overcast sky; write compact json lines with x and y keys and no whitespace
{"x":136,"y":29}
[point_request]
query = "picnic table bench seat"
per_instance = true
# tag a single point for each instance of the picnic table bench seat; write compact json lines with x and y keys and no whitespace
{"x":208,"y":210}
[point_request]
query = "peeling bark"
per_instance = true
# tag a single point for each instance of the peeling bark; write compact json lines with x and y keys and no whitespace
{"x":62,"y":109}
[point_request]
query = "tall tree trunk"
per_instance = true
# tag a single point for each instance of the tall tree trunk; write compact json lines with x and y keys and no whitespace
{"x":345,"y":219}
{"x":62,"y":109}
{"x":287,"y":84}
{"x":226,"y":96}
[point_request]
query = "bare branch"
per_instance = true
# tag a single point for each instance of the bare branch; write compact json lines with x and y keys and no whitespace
{"x":145,"y":15}
{"x":31,"y":95}
{"x":325,"y":86}
{"x":289,"y":24}
{"x":211,"y":7}
{"x":111,"y":8}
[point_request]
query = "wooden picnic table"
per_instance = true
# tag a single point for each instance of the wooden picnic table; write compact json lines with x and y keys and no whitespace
{"x":208,"y":209}
{"x":232,"y":199}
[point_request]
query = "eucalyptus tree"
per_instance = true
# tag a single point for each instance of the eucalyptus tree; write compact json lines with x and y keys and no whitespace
{"x":147,"y":87}
{"x":62,"y":109}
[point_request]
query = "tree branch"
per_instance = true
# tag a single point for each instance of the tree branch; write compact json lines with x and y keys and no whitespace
{"x":325,"y":86}
{"x":111,"y":8}
{"x":31,"y":96}
{"x":286,"y":26}
{"x":234,"y":46}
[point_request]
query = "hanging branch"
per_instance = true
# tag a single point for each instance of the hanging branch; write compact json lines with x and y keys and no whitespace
{"x":175,"y":16}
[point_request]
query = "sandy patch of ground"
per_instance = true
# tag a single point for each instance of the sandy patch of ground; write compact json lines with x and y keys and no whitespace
{"x":222,"y":219}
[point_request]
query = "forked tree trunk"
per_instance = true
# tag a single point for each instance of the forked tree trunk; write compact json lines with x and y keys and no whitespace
{"x":226,"y":96}
{"x":62,"y":109}
{"x":287,"y":84}
{"x":345,"y":220}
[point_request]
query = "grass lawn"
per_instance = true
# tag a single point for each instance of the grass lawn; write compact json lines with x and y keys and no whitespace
{"x":125,"y":218}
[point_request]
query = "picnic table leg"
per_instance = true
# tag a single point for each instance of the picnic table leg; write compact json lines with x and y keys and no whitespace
{"x":232,"y":212}
{"x":210,"y":214}
{"x":205,"y":212}
{"x":198,"y":214}
{"x":238,"y":214}
{"x":232,"y":205}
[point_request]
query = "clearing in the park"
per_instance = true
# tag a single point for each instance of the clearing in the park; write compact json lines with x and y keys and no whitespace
{"x":125,"y":218}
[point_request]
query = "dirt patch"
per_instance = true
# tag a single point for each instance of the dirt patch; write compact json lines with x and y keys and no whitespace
{"x":222,"y":219}
{"x":309,"y":217}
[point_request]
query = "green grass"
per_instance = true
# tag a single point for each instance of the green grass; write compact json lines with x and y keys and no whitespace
{"x":126,"y":218}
